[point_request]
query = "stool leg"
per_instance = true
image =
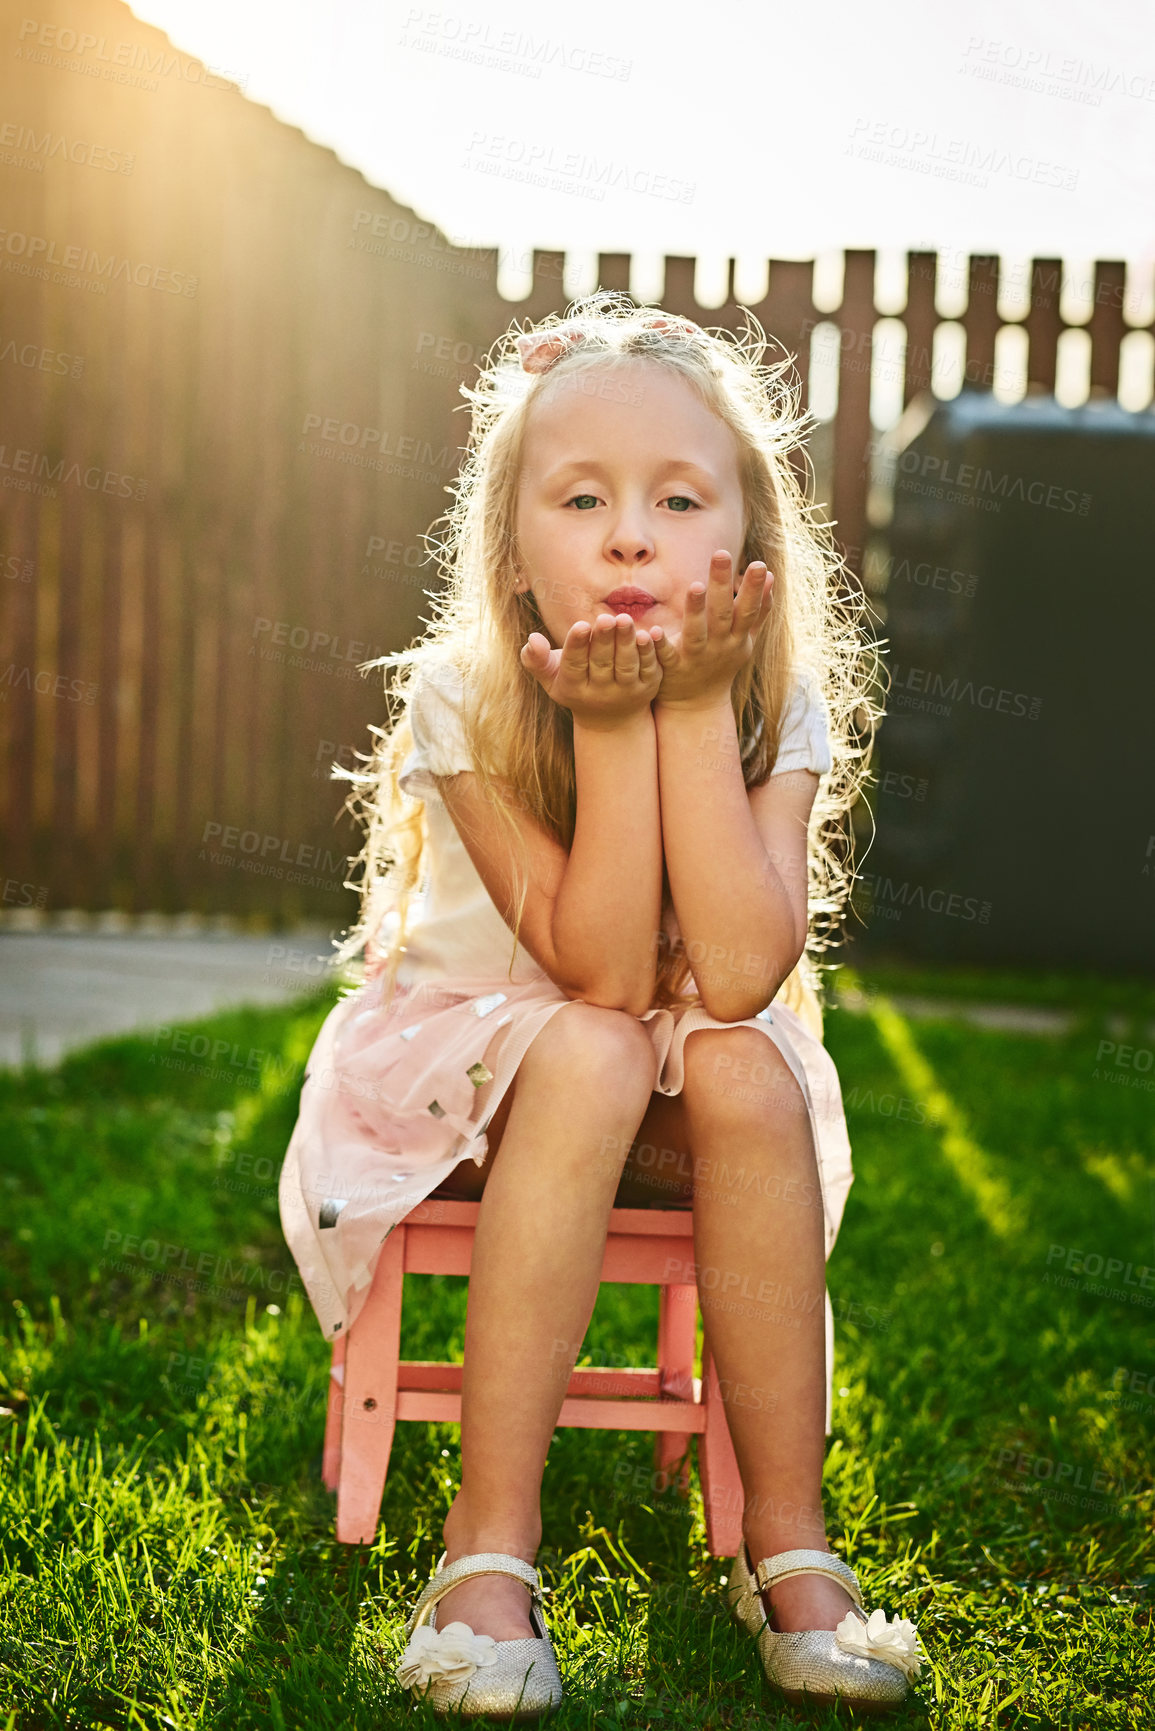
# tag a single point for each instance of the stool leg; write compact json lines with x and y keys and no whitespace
{"x":331,"y":1458}
{"x":677,"y":1329}
{"x":372,"y":1354}
{"x":723,"y":1496}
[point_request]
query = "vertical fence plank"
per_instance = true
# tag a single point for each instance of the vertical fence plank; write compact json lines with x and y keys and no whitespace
{"x":547,"y":294}
{"x":28,"y":414}
{"x":921,"y":321}
{"x":103,"y":840}
{"x":678,"y":295}
{"x":788,"y":313}
{"x":23,"y":554}
{"x":70,"y":442}
{"x":852,"y":424}
{"x":1043,"y":322}
{"x":146,"y":883}
{"x":981,"y":320}
{"x":1106,"y":326}
{"x":614,"y":271}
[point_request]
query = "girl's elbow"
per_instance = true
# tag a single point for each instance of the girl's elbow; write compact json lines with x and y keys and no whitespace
{"x":742,"y":1005}
{"x":634,"y":1002}
{"x":632,"y":999}
{"x":608,"y":995}
{"x":733,"y":1011}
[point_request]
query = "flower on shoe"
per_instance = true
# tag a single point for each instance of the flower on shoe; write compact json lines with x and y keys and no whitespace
{"x":895,"y":1643}
{"x":454,"y":1652}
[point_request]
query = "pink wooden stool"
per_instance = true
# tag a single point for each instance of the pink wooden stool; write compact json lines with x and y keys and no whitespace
{"x":371,"y":1387}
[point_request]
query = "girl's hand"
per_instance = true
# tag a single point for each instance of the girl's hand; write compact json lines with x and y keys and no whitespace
{"x":699,"y":663}
{"x":603,"y":674}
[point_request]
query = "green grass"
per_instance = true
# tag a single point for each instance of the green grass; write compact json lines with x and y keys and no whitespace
{"x":167,"y":1556}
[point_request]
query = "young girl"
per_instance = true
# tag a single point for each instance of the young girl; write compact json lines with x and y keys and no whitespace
{"x":615,"y":789}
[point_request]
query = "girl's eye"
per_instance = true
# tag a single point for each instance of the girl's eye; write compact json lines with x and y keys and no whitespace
{"x":679,"y":502}
{"x":583,"y":500}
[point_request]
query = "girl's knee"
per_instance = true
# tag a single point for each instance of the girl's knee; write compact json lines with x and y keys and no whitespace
{"x":608,"y":1045}
{"x":740,"y":1068}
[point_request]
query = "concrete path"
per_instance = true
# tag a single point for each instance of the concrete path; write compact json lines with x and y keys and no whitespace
{"x":61,"y":990}
{"x":1007,"y":1018}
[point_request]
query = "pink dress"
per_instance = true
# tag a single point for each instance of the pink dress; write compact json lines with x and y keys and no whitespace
{"x":396,"y":1095}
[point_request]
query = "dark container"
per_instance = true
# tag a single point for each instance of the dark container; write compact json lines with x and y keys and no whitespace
{"x":1015,"y":807}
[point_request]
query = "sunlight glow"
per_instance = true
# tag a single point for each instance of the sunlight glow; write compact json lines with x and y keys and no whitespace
{"x":971,"y":1165}
{"x":597,"y":128}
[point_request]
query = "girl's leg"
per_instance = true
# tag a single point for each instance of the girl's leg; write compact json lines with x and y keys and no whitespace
{"x":759,"y":1245}
{"x":550,"y":1180}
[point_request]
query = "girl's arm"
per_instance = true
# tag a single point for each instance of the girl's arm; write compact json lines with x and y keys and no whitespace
{"x":610,"y":900}
{"x":608,"y":903}
{"x":590,"y":912}
{"x":736,"y":859}
{"x":610,"y":897}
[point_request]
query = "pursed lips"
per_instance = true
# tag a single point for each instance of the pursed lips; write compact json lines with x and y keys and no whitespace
{"x":630,"y":599}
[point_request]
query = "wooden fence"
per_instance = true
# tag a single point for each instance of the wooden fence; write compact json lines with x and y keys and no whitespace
{"x":229,"y":410}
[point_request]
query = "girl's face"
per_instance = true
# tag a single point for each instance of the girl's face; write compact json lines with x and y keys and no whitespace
{"x":628,"y":485}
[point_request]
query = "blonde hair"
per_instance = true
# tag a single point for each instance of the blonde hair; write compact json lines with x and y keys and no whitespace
{"x":521,"y":741}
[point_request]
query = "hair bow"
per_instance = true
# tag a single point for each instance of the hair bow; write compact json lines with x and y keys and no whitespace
{"x":540,"y":349}
{"x":671,"y":326}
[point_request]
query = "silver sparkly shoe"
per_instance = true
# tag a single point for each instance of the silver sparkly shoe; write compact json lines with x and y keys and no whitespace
{"x":865,"y":1661}
{"x":452,"y":1666}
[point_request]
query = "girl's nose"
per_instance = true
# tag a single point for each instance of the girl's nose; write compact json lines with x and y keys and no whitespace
{"x":629,"y":544}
